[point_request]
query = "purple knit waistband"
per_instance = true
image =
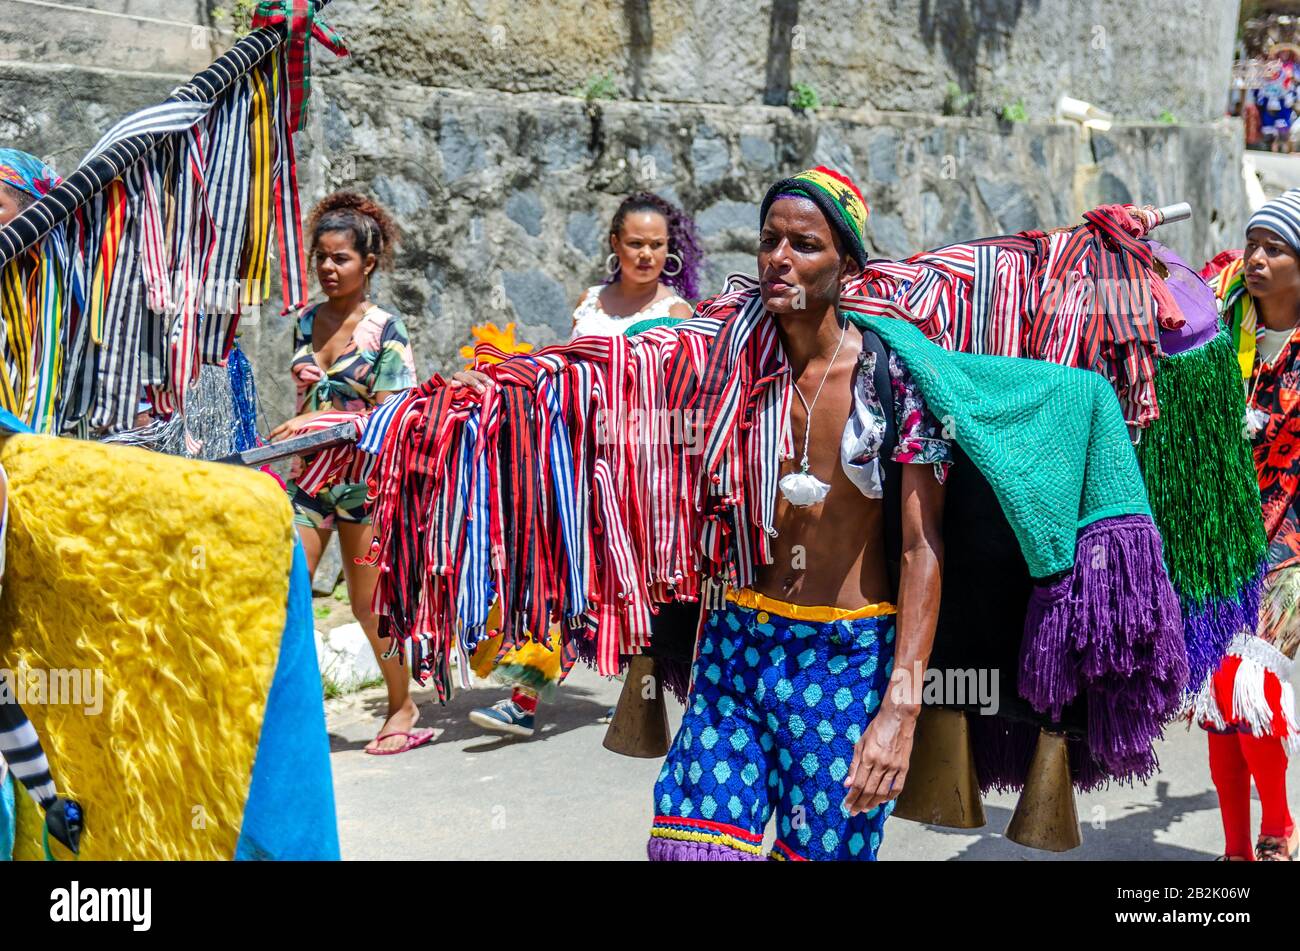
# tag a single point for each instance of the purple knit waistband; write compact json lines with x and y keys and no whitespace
{"x":680,"y":850}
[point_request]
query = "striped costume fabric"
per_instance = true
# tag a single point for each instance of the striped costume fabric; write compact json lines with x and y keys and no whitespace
{"x":117,"y":387}
{"x":288,"y":215}
{"x":261,"y":148}
{"x":135,"y":285}
{"x":1086,"y":297}
{"x":228,"y":192}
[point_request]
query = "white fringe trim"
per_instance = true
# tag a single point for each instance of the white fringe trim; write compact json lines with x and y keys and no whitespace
{"x":1249,"y":703}
{"x":1205,"y":709}
{"x":1261,"y":652}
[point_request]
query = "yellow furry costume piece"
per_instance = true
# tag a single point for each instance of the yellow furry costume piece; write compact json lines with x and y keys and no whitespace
{"x":529,"y":665}
{"x":170,"y":576}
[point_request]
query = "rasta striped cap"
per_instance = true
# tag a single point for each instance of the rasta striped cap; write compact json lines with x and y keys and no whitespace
{"x":837,"y":197}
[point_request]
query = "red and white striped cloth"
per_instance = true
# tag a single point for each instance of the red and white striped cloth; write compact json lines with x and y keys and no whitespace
{"x":338,"y":464}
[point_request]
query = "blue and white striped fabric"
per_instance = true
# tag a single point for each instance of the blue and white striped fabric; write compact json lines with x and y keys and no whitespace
{"x":164,"y":117}
{"x":1281,"y":216}
{"x":980,"y":306}
{"x":377,"y":423}
{"x":566,"y":501}
{"x":228,"y":192}
{"x":474,"y":599}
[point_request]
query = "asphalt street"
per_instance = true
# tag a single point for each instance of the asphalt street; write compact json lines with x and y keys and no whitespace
{"x":561,"y":795}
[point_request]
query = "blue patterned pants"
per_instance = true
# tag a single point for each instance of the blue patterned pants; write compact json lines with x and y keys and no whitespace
{"x":771,"y":722}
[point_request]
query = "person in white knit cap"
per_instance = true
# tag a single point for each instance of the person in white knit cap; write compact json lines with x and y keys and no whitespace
{"x":1249,"y":707}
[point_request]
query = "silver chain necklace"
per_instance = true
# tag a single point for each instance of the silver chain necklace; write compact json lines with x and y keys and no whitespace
{"x":802,"y":488}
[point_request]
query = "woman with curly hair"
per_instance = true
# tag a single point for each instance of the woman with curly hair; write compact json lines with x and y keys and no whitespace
{"x":653,"y":269}
{"x":350,"y":355}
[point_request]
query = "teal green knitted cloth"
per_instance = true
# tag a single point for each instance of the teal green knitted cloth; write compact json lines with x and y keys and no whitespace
{"x":1050,"y":440}
{"x":651,"y":322}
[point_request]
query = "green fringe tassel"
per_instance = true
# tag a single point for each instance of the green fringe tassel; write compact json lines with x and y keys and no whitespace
{"x":519,"y":675}
{"x":1200,"y":475}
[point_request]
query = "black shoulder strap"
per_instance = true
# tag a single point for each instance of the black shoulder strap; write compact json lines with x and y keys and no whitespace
{"x":890,"y":471}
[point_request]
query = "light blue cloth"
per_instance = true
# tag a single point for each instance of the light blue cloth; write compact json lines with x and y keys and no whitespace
{"x":8,"y":818}
{"x":11,"y":423}
{"x":289,"y":814}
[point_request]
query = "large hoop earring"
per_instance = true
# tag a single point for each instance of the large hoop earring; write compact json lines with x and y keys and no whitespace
{"x":672,"y":257}
{"x":611,"y":263}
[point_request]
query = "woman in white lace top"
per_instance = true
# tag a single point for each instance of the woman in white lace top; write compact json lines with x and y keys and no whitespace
{"x":653,"y":265}
{"x":653,"y":269}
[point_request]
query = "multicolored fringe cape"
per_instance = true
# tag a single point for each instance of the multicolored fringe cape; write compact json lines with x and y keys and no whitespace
{"x":148,"y":279}
{"x":547,"y":493}
{"x":1101,"y":297}
{"x":1253,"y":687}
{"x":1200,"y":477}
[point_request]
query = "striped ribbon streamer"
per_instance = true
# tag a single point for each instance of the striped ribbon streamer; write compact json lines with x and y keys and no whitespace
{"x":288,"y":214}
{"x":192,"y":244}
{"x":117,"y":385}
{"x":112,"y":223}
{"x":154,"y":270}
{"x":228,"y":197}
{"x":46,"y":349}
{"x":161,"y":119}
{"x":17,"y":351}
{"x":261,"y":153}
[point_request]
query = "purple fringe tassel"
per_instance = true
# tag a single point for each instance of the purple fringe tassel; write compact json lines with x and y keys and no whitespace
{"x":1112,"y":630}
{"x":1004,"y":750}
{"x":675,"y":675}
{"x":676,"y":850}
{"x":1210,"y":628}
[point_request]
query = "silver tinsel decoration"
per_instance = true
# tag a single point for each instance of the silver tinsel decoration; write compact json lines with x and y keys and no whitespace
{"x":209,"y":428}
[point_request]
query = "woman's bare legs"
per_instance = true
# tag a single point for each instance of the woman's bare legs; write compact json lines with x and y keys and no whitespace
{"x":354,"y":542}
{"x":314,"y":541}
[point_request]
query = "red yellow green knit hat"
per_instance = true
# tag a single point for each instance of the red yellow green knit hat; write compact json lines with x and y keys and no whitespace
{"x":837,"y":197}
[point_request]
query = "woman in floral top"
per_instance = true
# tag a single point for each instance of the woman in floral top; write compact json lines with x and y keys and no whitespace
{"x":350,"y":355}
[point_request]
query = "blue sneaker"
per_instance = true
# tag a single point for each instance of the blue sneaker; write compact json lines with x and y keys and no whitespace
{"x":504,"y":717}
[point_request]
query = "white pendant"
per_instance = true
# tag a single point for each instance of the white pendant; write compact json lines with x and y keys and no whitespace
{"x":803,"y":488}
{"x":1256,"y":419}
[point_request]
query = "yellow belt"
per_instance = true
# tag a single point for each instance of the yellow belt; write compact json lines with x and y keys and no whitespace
{"x":749,"y":598}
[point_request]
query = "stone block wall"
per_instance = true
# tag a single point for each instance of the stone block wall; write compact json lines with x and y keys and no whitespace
{"x":504,"y":184}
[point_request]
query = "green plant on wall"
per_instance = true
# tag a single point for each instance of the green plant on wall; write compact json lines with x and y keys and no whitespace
{"x":956,"y":102}
{"x":1168,"y":118}
{"x":804,"y":98}
{"x":598,"y":87}
{"x":237,"y":16}
{"x":1014,"y":112}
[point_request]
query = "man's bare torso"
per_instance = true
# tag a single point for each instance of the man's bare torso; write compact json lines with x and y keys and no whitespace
{"x":830,"y":554}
